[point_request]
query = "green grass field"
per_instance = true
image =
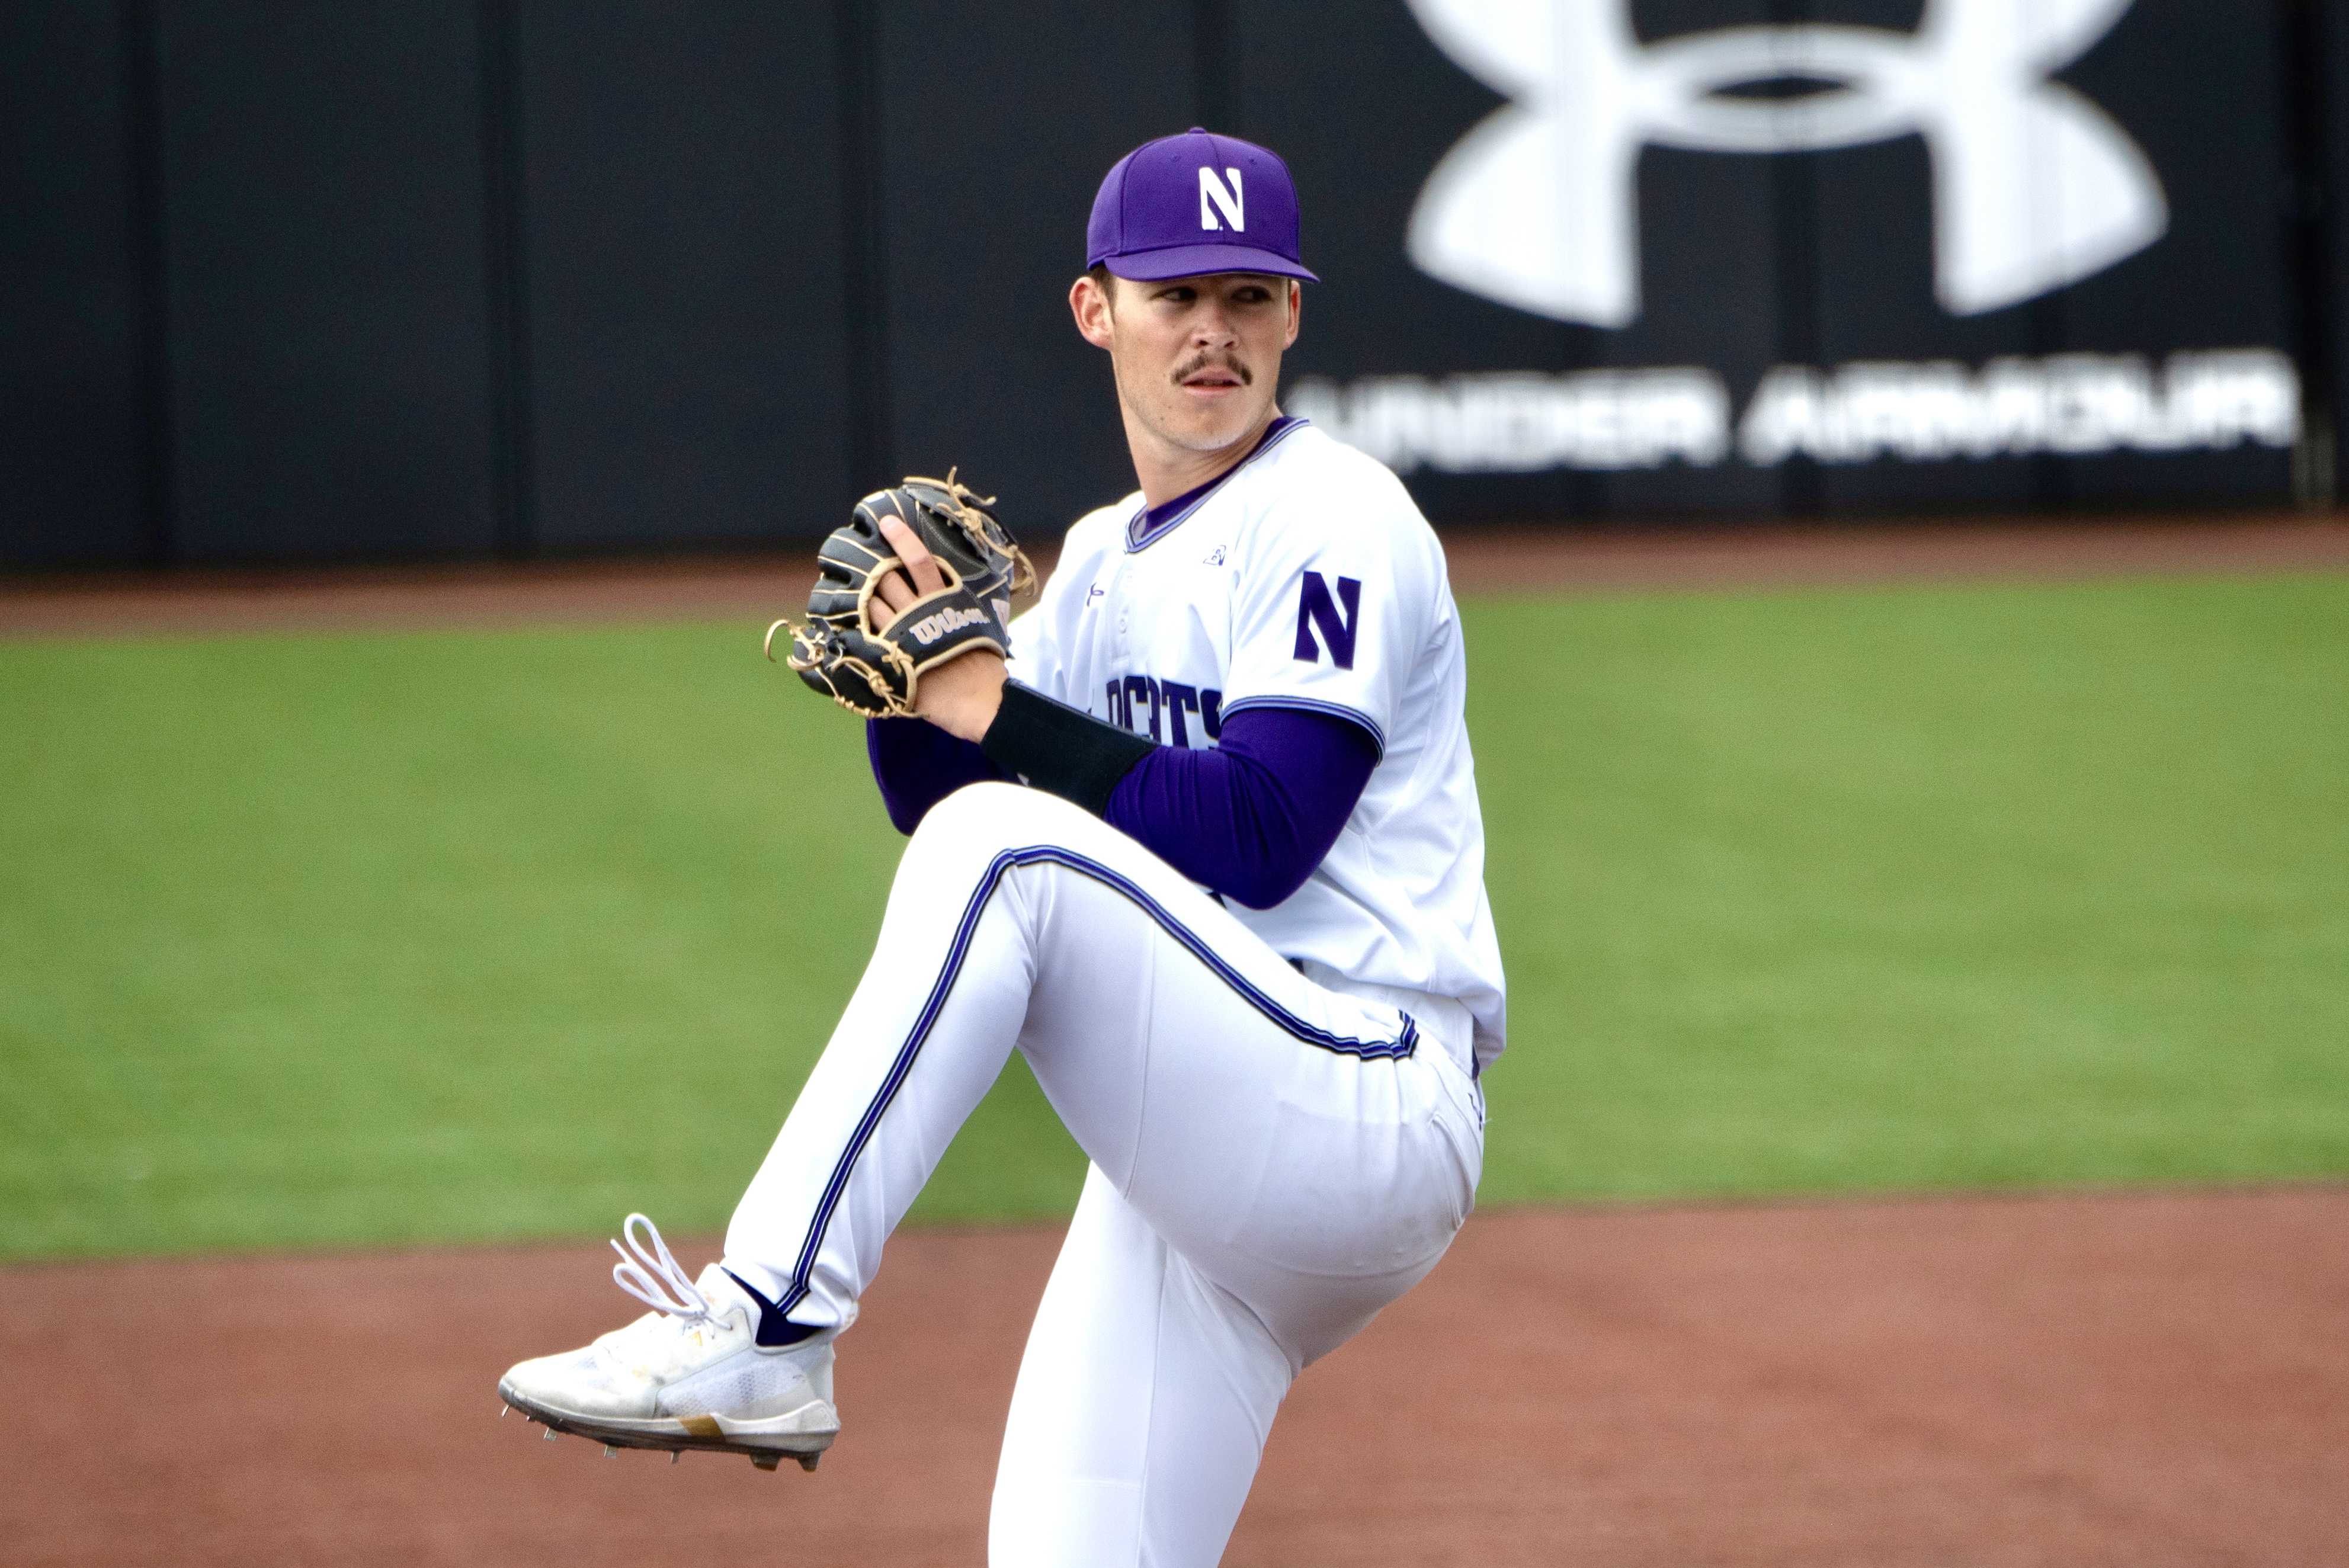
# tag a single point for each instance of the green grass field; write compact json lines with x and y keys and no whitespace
{"x":369,"y":938}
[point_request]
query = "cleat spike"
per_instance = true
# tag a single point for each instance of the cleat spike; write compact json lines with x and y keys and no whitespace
{"x":675,"y":1455}
{"x":766,"y":1461}
{"x":807,"y":1461}
{"x":552,"y":1434}
{"x":610,"y":1453}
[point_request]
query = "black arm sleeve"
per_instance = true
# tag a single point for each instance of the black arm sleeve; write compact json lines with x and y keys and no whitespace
{"x":1060,"y":749}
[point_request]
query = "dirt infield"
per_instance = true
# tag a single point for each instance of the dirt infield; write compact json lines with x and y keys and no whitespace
{"x":2135,"y":1381}
{"x":1497,"y":559}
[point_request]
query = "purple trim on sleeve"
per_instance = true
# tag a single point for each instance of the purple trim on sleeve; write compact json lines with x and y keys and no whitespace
{"x":917,"y":765}
{"x":1254,"y":816}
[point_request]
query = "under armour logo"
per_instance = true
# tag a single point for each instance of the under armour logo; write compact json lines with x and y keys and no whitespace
{"x":2033,"y":186}
{"x":1214,"y":557}
{"x":1215,"y":197}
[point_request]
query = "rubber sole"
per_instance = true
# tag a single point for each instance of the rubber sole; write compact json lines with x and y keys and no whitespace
{"x":677,"y":1435}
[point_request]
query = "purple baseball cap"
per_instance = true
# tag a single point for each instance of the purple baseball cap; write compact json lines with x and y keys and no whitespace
{"x":1193,"y":204}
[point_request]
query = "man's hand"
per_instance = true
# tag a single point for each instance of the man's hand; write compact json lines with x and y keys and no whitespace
{"x":960,"y":697}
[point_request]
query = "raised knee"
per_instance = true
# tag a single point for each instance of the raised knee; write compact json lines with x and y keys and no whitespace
{"x":998,"y":816}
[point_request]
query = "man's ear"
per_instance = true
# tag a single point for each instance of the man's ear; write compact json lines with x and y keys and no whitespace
{"x":1296,"y":311}
{"x":1089,"y":302}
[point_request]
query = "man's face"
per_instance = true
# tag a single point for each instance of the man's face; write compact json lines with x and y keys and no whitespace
{"x":1197,"y":359}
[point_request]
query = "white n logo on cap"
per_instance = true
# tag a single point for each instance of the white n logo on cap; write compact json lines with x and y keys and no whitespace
{"x":1230,"y":203}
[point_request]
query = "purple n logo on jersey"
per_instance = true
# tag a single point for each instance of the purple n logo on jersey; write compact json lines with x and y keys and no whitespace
{"x":1314,"y":609}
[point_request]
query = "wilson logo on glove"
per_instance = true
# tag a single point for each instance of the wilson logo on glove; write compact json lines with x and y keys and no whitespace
{"x":931,"y":628}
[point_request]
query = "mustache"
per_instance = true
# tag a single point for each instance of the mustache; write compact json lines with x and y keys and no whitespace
{"x":1191,"y":367}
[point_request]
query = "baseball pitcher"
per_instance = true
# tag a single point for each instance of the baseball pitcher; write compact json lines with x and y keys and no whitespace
{"x":1197,"y":834}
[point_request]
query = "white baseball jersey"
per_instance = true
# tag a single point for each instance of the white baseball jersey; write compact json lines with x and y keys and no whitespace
{"x":1304,"y":578}
{"x":1274,"y":1155}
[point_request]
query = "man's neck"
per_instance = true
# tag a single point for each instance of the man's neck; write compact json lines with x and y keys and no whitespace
{"x":1166,"y":471}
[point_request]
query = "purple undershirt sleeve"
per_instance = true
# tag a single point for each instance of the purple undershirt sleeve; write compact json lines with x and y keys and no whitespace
{"x":917,"y":765}
{"x":1252,"y":817}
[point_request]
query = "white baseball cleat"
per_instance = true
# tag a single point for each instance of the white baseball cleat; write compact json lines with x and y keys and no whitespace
{"x":690,"y":1374}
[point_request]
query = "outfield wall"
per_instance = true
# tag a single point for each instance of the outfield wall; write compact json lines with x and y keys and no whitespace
{"x":448,"y":278}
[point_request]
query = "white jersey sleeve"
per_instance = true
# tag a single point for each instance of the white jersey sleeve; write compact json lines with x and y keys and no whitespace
{"x":1333,"y":603}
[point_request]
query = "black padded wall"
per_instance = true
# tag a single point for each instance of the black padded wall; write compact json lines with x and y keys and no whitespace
{"x":2201,"y":89}
{"x":324,"y":217}
{"x":681,"y":198}
{"x":450,"y":278}
{"x":1812,"y":265}
{"x":996,"y":129}
{"x":69,"y":369}
{"x":2326,"y":259}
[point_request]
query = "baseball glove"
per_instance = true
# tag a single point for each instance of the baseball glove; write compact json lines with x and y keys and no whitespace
{"x":841,"y":651}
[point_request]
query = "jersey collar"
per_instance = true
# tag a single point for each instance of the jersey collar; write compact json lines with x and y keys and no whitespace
{"x":1153,"y":523}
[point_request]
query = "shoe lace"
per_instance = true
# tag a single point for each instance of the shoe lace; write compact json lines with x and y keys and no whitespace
{"x":651,"y":1275}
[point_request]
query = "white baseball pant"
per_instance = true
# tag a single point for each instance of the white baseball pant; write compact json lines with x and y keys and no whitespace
{"x":1273,"y":1162}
